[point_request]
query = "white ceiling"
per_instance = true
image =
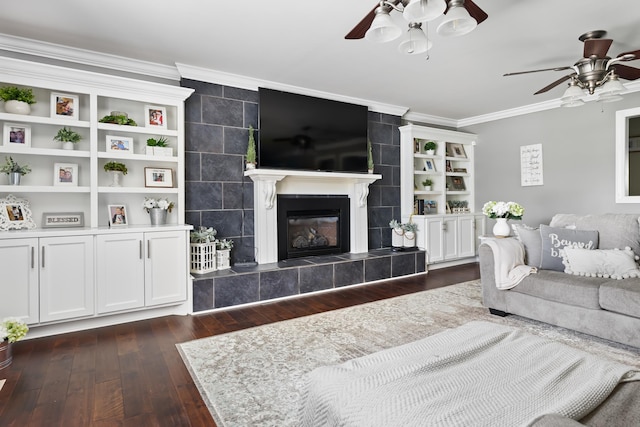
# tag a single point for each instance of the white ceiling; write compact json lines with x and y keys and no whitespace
{"x":301,"y":43}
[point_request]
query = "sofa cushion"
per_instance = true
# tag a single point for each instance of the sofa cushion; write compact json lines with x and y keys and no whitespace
{"x":532,"y":242}
{"x":615,"y":263}
{"x":554,"y":239}
{"x":564,"y":288}
{"x":621,"y":296}
{"x":614,"y":230}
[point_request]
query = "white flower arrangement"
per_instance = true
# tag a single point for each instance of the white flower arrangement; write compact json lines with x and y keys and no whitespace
{"x":13,"y":329}
{"x":508,"y":210}
{"x":204,"y":235}
{"x":150,"y":203}
{"x":224,"y":244}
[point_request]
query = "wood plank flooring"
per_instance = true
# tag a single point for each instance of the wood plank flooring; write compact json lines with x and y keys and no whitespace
{"x":132,"y":374}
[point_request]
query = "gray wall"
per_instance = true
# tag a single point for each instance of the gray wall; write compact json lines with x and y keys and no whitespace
{"x":579,"y":160}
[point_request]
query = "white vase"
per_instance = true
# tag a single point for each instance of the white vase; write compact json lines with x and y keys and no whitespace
{"x":17,"y":107}
{"x":430,"y":152}
{"x":158,"y":216}
{"x":223,"y":259}
{"x":427,"y":188}
{"x":501,"y":228}
{"x":397,"y":237}
{"x":115,"y":178}
{"x":67,"y":145}
{"x":409,"y":240}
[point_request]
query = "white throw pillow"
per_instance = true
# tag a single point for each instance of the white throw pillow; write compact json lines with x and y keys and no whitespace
{"x":614,"y":263}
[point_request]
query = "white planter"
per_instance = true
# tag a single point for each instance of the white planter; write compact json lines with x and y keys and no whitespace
{"x":223,"y":256}
{"x":203,"y":257}
{"x":250,"y":166}
{"x":427,"y":188}
{"x":409,"y":239}
{"x":148,"y":150}
{"x":501,"y":228}
{"x":67,"y":145}
{"x":430,"y":152}
{"x":163,"y":151}
{"x":17,"y":107}
{"x":397,"y":237}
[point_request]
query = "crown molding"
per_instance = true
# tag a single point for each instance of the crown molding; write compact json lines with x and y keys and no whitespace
{"x":251,"y":83}
{"x":412,"y":116}
{"x":86,"y":57}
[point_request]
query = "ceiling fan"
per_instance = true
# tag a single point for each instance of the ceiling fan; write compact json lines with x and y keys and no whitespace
{"x":595,"y":70}
{"x":461,"y":17}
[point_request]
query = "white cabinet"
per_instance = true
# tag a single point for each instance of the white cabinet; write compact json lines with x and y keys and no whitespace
{"x":165,"y":267}
{"x":66,"y":277}
{"x":120,"y":272}
{"x":449,"y":237}
{"x":19,"y":283}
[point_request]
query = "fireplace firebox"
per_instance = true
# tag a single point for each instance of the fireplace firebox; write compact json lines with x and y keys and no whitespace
{"x":312,"y":225}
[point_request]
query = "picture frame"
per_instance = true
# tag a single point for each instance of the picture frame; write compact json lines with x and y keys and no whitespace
{"x":16,"y":135}
{"x":429,"y":165}
{"x":158,"y":177}
{"x":457,"y":150}
{"x":416,"y":145}
{"x":448,"y":166}
{"x":460,"y":170}
{"x":62,"y":219}
{"x":15,"y":214}
{"x":117,"y":215}
{"x":65,"y":106}
{"x":456,"y":183}
{"x":65,"y":174}
{"x":155,"y":116}
{"x":118,"y":144}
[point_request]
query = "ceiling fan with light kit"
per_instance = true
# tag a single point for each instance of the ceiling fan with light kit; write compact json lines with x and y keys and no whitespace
{"x":460,"y":17}
{"x":595,"y":70}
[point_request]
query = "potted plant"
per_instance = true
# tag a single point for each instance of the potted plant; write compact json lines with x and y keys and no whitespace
{"x":68,"y":138}
{"x":369,"y":157}
{"x":11,"y":330}
{"x":430,"y":147}
{"x":14,"y":170}
{"x":427,"y":183}
{"x":397,"y":233}
{"x":203,"y":250}
{"x":251,"y":150}
{"x":116,"y":169}
{"x":157,"y":209}
{"x":409,"y":238}
{"x":223,"y":253}
{"x":158,"y":147}
{"x":118,"y":118}
{"x":17,"y":100}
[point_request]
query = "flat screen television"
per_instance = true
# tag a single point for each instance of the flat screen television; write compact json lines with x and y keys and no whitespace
{"x":300,"y":132}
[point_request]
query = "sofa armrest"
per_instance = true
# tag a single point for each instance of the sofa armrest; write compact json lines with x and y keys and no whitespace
{"x":492,"y":297}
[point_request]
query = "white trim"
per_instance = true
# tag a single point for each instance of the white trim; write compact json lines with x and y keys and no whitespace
{"x":412,"y":116}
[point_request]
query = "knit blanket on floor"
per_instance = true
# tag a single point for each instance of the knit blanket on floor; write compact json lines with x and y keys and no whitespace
{"x":479,"y":374}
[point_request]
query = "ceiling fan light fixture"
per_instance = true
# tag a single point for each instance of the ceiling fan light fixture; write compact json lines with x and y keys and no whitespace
{"x":382,"y":29}
{"x":416,"y":41}
{"x":457,"y":22}
{"x":423,"y":10}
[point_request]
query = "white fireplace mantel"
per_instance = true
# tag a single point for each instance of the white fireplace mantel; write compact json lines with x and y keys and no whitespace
{"x":269,"y":183}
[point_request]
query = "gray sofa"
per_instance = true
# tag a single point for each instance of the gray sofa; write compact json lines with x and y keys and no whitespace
{"x":601,"y":306}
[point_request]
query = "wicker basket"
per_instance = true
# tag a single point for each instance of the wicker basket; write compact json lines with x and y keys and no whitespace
{"x":203,"y":257}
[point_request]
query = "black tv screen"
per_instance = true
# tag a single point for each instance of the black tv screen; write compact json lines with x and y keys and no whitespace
{"x":300,"y":132}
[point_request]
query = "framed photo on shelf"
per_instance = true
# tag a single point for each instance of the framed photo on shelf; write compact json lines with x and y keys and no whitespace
{"x":62,"y":219}
{"x":16,"y":135}
{"x":15,"y":214}
{"x":416,"y":145}
{"x":457,"y":150}
{"x":117,"y":215}
{"x":65,"y":106}
{"x":119,"y":144}
{"x":429,"y":165}
{"x":448,"y":166}
{"x":155,"y":116}
{"x":456,"y":183}
{"x":158,"y":177}
{"x":65,"y":174}
{"x":460,"y":170}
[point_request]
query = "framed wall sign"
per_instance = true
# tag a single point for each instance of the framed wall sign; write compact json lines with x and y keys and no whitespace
{"x":65,"y":106}
{"x":119,"y":144}
{"x":158,"y":177}
{"x":62,"y":219}
{"x":65,"y":174}
{"x":155,"y":117}
{"x":117,"y":215}
{"x":15,"y":214}
{"x":16,"y":135}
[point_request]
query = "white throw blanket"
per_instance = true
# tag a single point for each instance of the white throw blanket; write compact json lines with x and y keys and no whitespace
{"x":480,"y":374}
{"x":508,"y":256}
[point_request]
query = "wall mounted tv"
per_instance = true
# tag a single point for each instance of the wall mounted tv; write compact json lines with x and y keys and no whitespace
{"x":300,"y":132}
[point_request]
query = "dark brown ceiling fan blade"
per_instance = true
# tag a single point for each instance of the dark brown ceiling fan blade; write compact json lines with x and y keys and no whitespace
{"x":476,"y":13}
{"x":361,"y":27}
{"x":626,"y":72}
{"x":636,"y":53}
{"x":537,"y":71}
{"x":554,"y":84}
{"x":598,"y":47}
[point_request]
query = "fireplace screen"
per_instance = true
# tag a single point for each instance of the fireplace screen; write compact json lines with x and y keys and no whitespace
{"x":315,"y":232}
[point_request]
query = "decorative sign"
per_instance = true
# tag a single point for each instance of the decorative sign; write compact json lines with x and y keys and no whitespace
{"x":62,"y":219}
{"x":531,"y":165}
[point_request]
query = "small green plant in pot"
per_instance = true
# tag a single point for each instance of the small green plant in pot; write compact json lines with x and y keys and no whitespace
{"x":427,"y":183}
{"x":68,"y":137}
{"x":158,"y":147}
{"x":430,"y":147}
{"x":118,"y":118}
{"x":14,"y":171}
{"x":369,"y":157}
{"x":251,"y":150}
{"x":17,"y":100}
{"x":116,"y":169}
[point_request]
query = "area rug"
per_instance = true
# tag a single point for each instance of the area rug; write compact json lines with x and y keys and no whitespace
{"x":254,"y":377}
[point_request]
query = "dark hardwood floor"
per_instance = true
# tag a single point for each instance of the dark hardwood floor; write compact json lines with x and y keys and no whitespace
{"x":132,"y":374}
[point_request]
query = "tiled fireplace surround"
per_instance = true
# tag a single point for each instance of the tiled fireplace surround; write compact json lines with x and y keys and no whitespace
{"x":218,"y":195}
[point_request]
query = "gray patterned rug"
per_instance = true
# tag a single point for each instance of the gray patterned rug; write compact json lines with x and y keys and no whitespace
{"x":253,"y":377}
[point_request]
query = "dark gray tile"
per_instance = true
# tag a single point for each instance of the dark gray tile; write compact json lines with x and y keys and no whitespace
{"x":375,"y":238}
{"x":421,"y":262}
{"x":279,"y":283}
{"x":316,"y":278}
{"x":220,"y":111}
{"x":221,"y":167}
{"x":203,"y":88}
{"x":403,"y":264}
{"x":203,"y":138}
{"x":231,"y":92}
{"x":251,"y":116}
{"x":203,"y":195}
{"x":193,"y":218}
{"x":243,"y":250}
{"x":247,"y":194}
{"x":377,"y":268}
{"x":236,"y":289}
{"x":227,"y":222}
{"x":375,"y":197}
{"x":349,"y":273}
{"x":202,"y":294}
{"x":236,"y":140}
{"x":380,"y":217}
{"x":380,"y":133}
{"x":390,"y":155}
{"x":247,"y":222}
{"x":390,"y":119}
{"x":232,"y":195}
{"x":387,"y":175}
{"x":192,"y":166}
{"x":374,"y":116}
{"x":193,"y":109}
{"x":390,"y":196}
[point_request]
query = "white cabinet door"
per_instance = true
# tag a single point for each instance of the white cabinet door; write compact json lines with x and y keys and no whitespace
{"x":165,"y":267}
{"x":450,"y":227}
{"x":434,"y":239}
{"x":119,"y":272}
{"x":466,"y":236}
{"x":66,"y":277}
{"x":19,"y":282}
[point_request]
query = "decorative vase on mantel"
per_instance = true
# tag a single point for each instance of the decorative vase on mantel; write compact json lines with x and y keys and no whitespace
{"x":116,"y":177}
{"x":501,"y":228}
{"x":158,"y":216}
{"x":17,"y":107}
{"x":5,"y":354}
